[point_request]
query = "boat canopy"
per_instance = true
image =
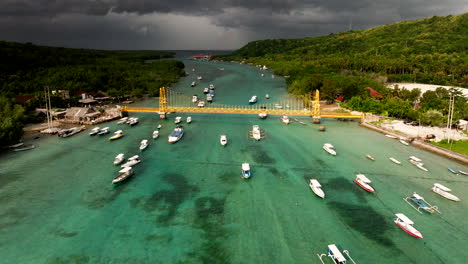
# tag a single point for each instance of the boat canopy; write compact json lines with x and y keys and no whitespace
{"x":255,"y":127}
{"x":336,"y":253}
{"x":96,"y":128}
{"x":118,"y":132}
{"x":417,"y":196}
{"x":125,"y":169}
{"x":315,"y":183}
{"x":328,"y":145}
{"x":144,"y":141}
{"x":245,"y":166}
{"x":415,"y":158}
{"x":363,"y":178}
{"x":443,"y":188}
{"x":405,"y":219}
{"x":134,"y":157}
{"x":120,"y":155}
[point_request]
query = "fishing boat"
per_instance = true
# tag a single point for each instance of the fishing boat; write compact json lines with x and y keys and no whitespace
{"x":256,"y":132}
{"x":267,"y":96}
{"x":24,"y":147}
{"x":364,"y":183}
{"x":452,"y":170}
{"x":159,"y":126}
{"x":176,"y":134}
{"x":370,"y":157}
{"x":394,"y":160}
{"x":201,"y":104}
{"x":223,"y":140}
{"x":143,"y":144}
{"x":117,"y":134}
{"x":132,"y":161}
{"x":94,"y":131}
{"x":124,"y":174}
{"x":178,"y":120}
{"x":212,"y":87}
{"x":421,"y":203}
{"x":463,"y":172}
{"x":253,"y":99}
{"x":262,"y":115}
{"x":119,"y":159}
{"x":122,"y":120}
{"x":209,"y":98}
{"x":155,"y":134}
{"x":206,"y":90}
{"x":194,"y":99}
{"x":189,"y":119}
{"x":404,"y":142}
{"x":335,"y":254}
{"x":444,"y":192}
{"x":285,"y":119}
{"x":199,"y":78}
{"x":329,"y":148}
{"x":193,"y":84}
{"x":407,"y":225}
{"x":104,"y":131}
{"x":246,"y":171}
{"x":316,"y":188}
{"x":390,"y":136}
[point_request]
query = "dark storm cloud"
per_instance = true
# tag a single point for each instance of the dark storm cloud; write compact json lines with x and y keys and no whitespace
{"x":213,"y":23}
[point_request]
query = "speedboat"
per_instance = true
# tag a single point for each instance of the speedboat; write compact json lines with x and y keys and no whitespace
{"x":421,"y":203}
{"x":124,"y":174}
{"x":206,"y":90}
{"x":417,"y":162}
{"x":364,"y":182}
{"x":404,"y":142}
{"x":329,"y":148}
{"x":394,"y":160}
{"x":262,"y":115}
{"x":155,"y":134}
{"x":119,"y":158}
{"x":370,"y":157}
{"x":246,"y":171}
{"x":212,"y":87}
{"x":209,"y":98}
{"x":123,"y":120}
{"x":189,"y":119}
{"x":94,"y":131}
{"x":407,"y":225}
{"x":133,"y":121}
{"x":253,"y":99}
{"x":285,"y":119}
{"x":256,"y":132}
{"x":444,"y":192}
{"x":177,"y":120}
{"x":117,"y":134}
{"x":267,"y":96}
{"x":104,"y":131}
{"x":223,"y":140}
{"x":194,"y":99}
{"x":132,"y":161}
{"x":143,"y":144}
{"x":315,"y":186}
{"x":176,"y":135}
{"x":193,"y":84}
{"x":199,"y":78}
{"x":262,"y":74}
{"x":159,"y":126}
{"x":201,"y":104}
{"x":452,"y":170}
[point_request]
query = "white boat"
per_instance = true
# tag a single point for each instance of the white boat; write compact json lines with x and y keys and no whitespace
{"x":390,"y":136}
{"x":463,"y":172}
{"x":278,"y":106}
{"x":117,"y":134}
{"x":415,"y":159}
{"x":132,"y":161}
{"x":364,"y":182}
{"x":223,"y":140}
{"x":444,"y":192}
{"x":24,"y":147}
{"x":189,"y":119}
{"x":124,"y":174}
{"x":94,"y":131}
{"x":104,"y":131}
{"x":133,"y":121}
{"x":193,"y":69}
{"x":119,"y":158}
{"x":256,"y":132}
{"x":404,"y":142}
{"x":253,"y":99}
{"x":199,"y":78}
{"x":122,"y":120}
{"x":285,"y":119}
{"x":206,"y":90}
{"x":178,"y":120}
{"x":407,"y":225}
{"x":394,"y":160}
{"x":201,"y":104}
{"x":212,"y":87}
{"x":370,"y":157}
{"x":262,"y":74}
{"x":315,"y":186}
{"x":267,"y":96}
{"x":159,"y":126}
{"x":155,"y":134}
{"x":421,"y":167}
{"x":417,"y":162}
{"x":335,"y":254}
{"x":193,"y":84}
{"x":246,"y":171}
{"x":262,"y":115}
{"x":176,"y":135}
{"x":16,"y":145}
{"x":329,"y":148}
{"x":143,"y":144}
{"x":209,"y":98}
{"x":194,"y":99}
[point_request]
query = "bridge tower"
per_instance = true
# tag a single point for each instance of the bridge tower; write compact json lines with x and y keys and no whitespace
{"x":316,"y":108}
{"x":162,"y":103}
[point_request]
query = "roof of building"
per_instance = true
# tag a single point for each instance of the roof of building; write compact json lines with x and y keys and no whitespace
{"x":79,"y":111}
{"x":374,"y":93}
{"x":87,"y":101}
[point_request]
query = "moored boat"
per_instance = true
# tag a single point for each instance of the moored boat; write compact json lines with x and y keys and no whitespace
{"x":262,"y":115}
{"x":212,"y":87}
{"x":256,"y":132}
{"x":267,"y":96}
{"x":193,"y":84}
{"x":201,"y":104}
{"x":189,"y":119}
{"x":370,"y":157}
{"x":329,"y":148}
{"x":122,"y":120}
{"x":421,"y":203}
{"x":176,"y":134}
{"x":70,"y":132}
{"x":223,"y":140}
{"x":278,"y":106}
{"x":253,"y":99}
{"x":94,"y":131}
{"x":104,"y":131}
{"x":124,"y":174}
{"x":199,"y":78}
{"x":178,"y":120}
{"x":155,"y":134}
{"x":246,"y":171}
{"x":463,"y":172}
{"x":285,"y":119}
{"x":407,"y":225}
{"x":159,"y":126}
{"x":390,"y":136}
{"x":132,"y":161}
{"x":316,"y":188}
{"x":143,"y":144}
{"x":394,"y":160}
{"x":133,"y":121}
{"x":444,"y":192}
{"x":452,"y":170}
{"x":404,"y":142}
{"x":335,"y":254}
{"x":24,"y":147}
{"x":209,"y":98}
{"x":206,"y":90}
{"x":364,"y":182}
{"x":194,"y":99}
{"x":119,"y":158}
{"x":117,"y":134}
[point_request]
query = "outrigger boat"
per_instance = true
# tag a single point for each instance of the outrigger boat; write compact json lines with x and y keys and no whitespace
{"x":246,"y":171}
{"x":329,"y":148}
{"x":364,"y":183}
{"x":117,"y":134}
{"x":444,"y":192}
{"x":417,"y":162}
{"x":407,"y":225}
{"x":334,"y":253}
{"x":94,"y":131}
{"x":155,"y":134}
{"x":119,"y":158}
{"x":125,"y":173}
{"x":370,"y":157}
{"x":315,"y":187}
{"x":421,"y":203}
{"x":143,"y":144}
{"x":223,"y":140}
{"x":394,"y":160}
{"x":256,"y":132}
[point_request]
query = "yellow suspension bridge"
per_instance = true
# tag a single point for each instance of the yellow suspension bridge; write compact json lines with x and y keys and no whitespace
{"x":171,"y":102}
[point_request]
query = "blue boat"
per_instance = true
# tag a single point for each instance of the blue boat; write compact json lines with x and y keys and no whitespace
{"x":421,"y":203}
{"x":246,"y":171}
{"x":176,"y":135}
{"x":452,"y":170}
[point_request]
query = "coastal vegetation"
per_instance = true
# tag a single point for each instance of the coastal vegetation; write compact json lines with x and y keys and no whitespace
{"x":460,"y":146}
{"x":431,"y":50}
{"x":25,"y":69}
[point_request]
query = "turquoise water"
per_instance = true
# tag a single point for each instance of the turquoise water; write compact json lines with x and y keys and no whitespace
{"x":188,"y":204}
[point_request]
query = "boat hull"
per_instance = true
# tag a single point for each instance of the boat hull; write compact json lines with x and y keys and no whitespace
{"x":445,"y":194}
{"x":365,"y":186}
{"x":319,"y":192}
{"x":121,"y":178}
{"x":414,"y":233}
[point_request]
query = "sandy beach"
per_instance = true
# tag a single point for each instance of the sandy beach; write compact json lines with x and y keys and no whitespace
{"x":422,"y":131}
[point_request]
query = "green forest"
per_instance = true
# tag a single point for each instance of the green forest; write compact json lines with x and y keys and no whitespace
{"x":25,"y":69}
{"x":430,"y":51}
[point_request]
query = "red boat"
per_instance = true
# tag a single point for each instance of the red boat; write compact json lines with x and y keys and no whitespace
{"x":407,"y":225}
{"x":363,"y":181}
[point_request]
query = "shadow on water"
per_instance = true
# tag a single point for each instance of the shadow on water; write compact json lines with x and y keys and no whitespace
{"x":343,"y":185}
{"x":10,"y":218}
{"x":8,"y":178}
{"x":167,"y":201}
{"x":103,"y":198}
{"x":259,"y":155}
{"x":63,"y":233}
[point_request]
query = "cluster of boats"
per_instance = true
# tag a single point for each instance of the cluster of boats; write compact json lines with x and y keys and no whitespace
{"x":21,"y":147}
{"x":70,"y":131}
{"x":126,"y":170}
{"x":117,"y":134}
{"x":178,"y":120}
{"x":129,"y":120}
{"x":99,"y":131}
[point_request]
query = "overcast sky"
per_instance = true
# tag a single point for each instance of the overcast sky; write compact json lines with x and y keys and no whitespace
{"x":199,"y":24}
